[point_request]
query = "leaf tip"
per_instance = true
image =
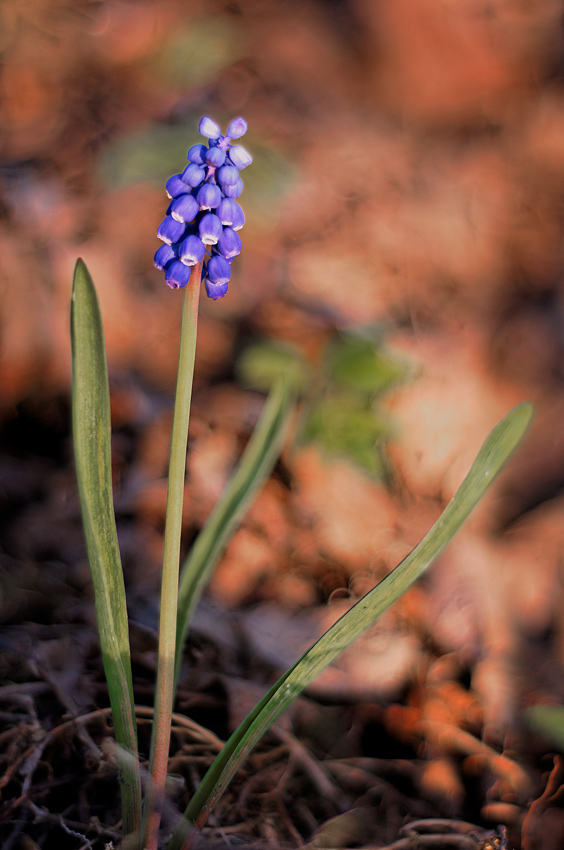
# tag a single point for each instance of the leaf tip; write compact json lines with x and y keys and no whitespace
{"x":524,"y":414}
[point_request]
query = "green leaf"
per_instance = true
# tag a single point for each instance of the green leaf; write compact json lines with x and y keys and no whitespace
{"x":357,"y":363}
{"x":263,"y":364}
{"x":498,"y":446}
{"x":254,"y":467}
{"x":144,"y":155}
{"x":271,"y":179}
{"x":343,"y":424}
{"x":92,"y":433}
{"x":343,"y":414}
{"x":196,"y":52}
{"x":549,"y":721}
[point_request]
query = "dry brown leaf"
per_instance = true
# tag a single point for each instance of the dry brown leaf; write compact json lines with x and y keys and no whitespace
{"x":247,"y":562}
{"x":444,"y":415}
{"x":354,"y":518}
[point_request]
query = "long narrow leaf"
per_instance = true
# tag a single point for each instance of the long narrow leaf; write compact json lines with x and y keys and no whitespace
{"x":91,"y":432}
{"x":497,"y":448}
{"x":255,"y":466}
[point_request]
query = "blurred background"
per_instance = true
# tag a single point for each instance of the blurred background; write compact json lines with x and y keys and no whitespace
{"x":402,"y":260}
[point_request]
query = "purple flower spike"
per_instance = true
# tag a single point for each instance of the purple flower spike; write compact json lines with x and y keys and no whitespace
{"x":177,"y":275}
{"x":239,"y":156}
{"x":163,"y":256}
{"x":202,"y":216}
{"x":170,"y":230}
{"x":193,"y":175}
{"x":210,"y":229}
{"x":191,"y":250}
{"x":209,"y":196}
{"x":209,"y":129}
{"x":237,"y":128}
{"x":175,"y":186}
{"x":197,"y":154}
{"x":216,"y":290}
{"x":185,"y":208}
{"x":229,"y":243}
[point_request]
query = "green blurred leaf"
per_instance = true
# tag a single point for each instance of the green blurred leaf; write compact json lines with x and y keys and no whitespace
{"x":152,"y":154}
{"x":255,"y":466}
{"x":343,"y":415}
{"x":359,"y":364}
{"x":267,"y":182}
{"x":261,"y":366}
{"x":549,"y":721}
{"x":195,"y":52}
{"x":343,"y":424}
{"x":499,"y":445}
{"x":92,"y":435}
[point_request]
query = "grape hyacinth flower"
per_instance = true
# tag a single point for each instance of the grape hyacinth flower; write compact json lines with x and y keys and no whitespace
{"x":203,"y":216}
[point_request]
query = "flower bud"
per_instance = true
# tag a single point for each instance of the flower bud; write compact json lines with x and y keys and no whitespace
{"x":163,"y":256}
{"x":233,"y":191}
{"x":227,"y":175}
{"x":229,"y":243}
{"x":209,"y":196}
{"x":239,"y":156}
{"x":210,"y":229}
{"x":209,"y":129}
{"x":215,"y":156}
{"x":193,"y":175}
{"x":215,"y":290}
{"x":175,"y":186}
{"x":238,"y":218}
{"x":219,"y":270}
{"x":170,"y":230}
{"x":226,"y":210}
{"x":177,"y":275}
{"x":237,"y":128}
{"x":184,"y":208}
{"x":197,"y":154}
{"x":191,"y":250}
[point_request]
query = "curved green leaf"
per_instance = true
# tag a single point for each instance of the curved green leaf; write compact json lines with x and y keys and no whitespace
{"x":92,"y":434}
{"x":498,"y":446}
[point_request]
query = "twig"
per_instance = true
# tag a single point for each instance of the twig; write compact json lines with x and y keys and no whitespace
{"x":320,"y":776}
{"x":72,"y":827}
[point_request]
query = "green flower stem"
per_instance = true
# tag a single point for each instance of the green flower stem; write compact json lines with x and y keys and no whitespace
{"x":160,"y":742}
